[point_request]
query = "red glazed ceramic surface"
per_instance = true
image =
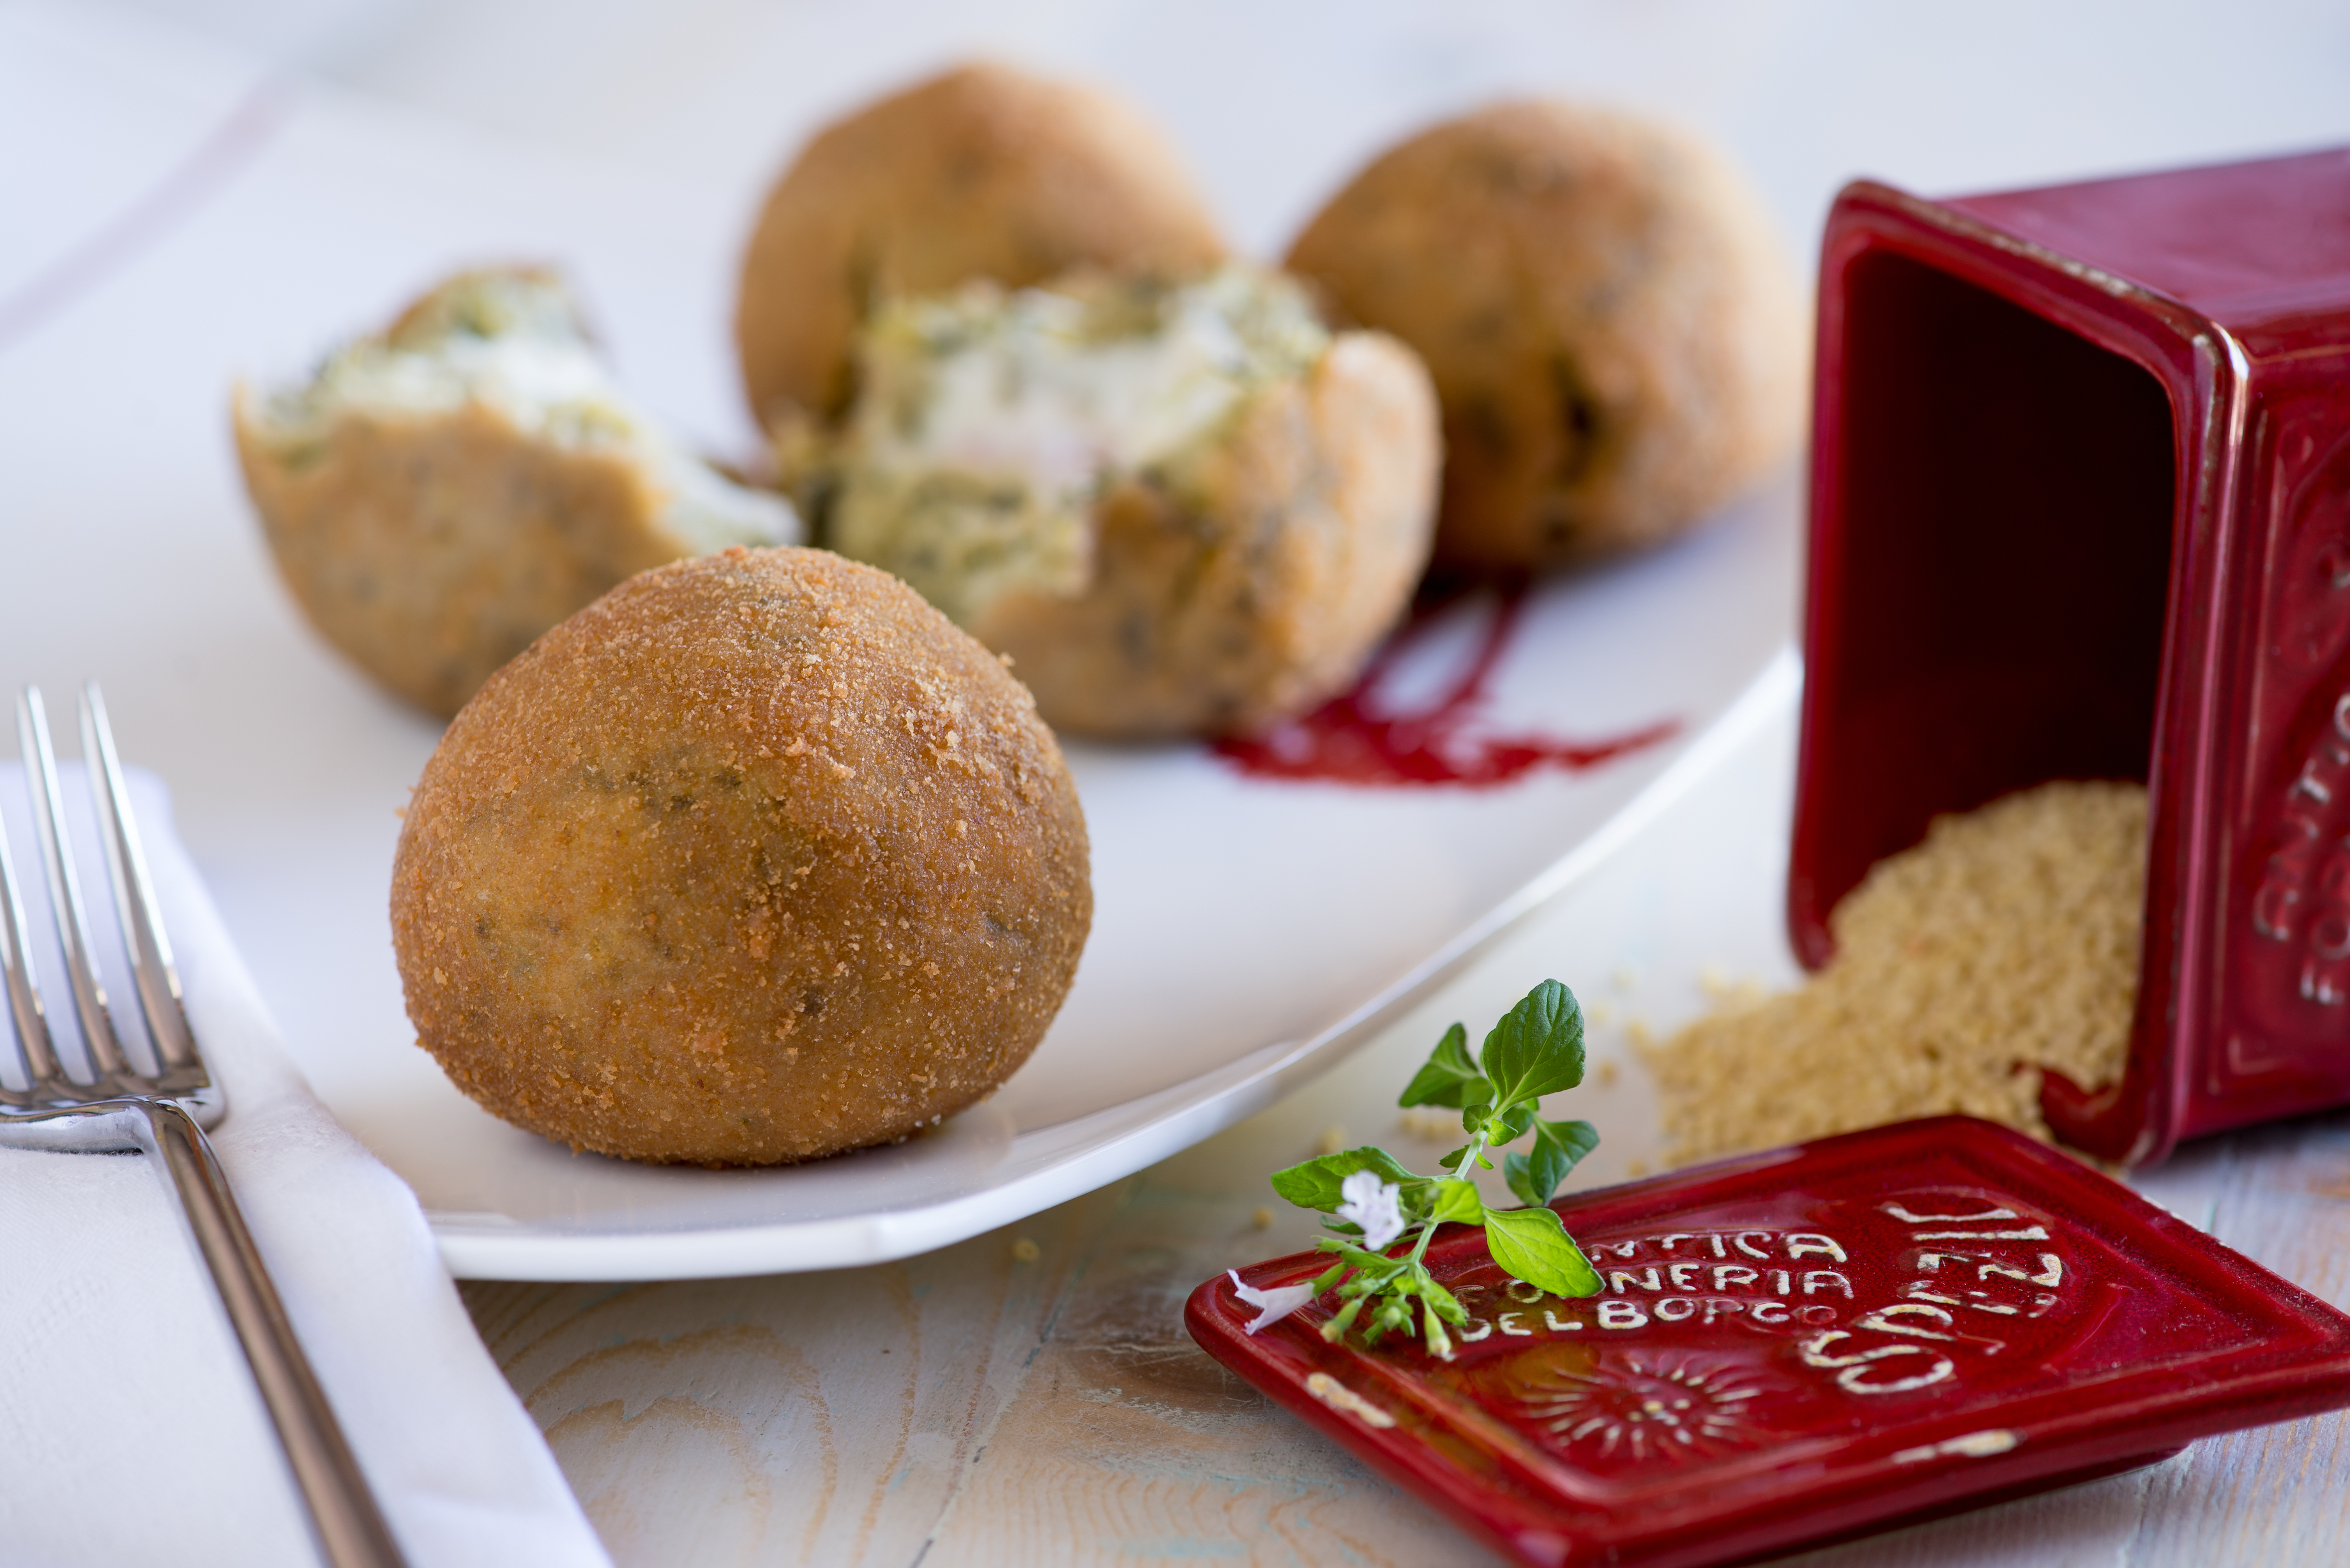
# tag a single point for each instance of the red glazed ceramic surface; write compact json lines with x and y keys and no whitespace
{"x":2081,"y":509}
{"x":1804,"y":1345}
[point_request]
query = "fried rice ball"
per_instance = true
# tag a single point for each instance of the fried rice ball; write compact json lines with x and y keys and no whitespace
{"x":755,"y":859}
{"x":1618,"y":338}
{"x":1182,"y":507}
{"x":439,"y":495}
{"x":985,"y":171}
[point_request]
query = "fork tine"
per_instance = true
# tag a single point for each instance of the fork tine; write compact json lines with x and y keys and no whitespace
{"x":39,"y":1057}
{"x":65,"y":888}
{"x":153,"y":971}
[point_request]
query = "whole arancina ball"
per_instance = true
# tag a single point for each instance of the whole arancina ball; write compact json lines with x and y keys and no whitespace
{"x":1617,"y":338}
{"x":754,"y":860}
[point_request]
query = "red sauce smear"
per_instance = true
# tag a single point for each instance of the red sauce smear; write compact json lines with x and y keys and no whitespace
{"x":1353,"y":739}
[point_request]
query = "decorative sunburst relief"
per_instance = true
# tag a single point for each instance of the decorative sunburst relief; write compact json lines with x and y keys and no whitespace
{"x":1668,"y":1405}
{"x":1805,"y":1343}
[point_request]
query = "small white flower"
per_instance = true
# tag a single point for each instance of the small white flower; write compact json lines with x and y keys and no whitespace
{"x":1374,"y":1205}
{"x":1272,"y":1305}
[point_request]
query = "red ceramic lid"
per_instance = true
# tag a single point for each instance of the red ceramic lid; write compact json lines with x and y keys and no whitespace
{"x":1804,"y":1345}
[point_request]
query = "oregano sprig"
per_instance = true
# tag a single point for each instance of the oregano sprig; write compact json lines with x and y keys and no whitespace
{"x":1381,"y":1216}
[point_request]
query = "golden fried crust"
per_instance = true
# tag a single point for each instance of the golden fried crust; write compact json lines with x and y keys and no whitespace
{"x":1250,"y":581}
{"x":985,"y":172}
{"x":754,"y":860}
{"x":1616,"y":338}
{"x":377,"y":527}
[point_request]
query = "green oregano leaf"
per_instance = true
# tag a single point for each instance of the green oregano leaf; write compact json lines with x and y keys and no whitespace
{"x":1537,"y":1047}
{"x":1314,"y":1184}
{"x":1509,"y":1125}
{"x":1532,"y":1245}
{"x":1457,"y":1201}
{"x":1518,"y":1171}
{"x":1450,"y":1077}
{"x":1559,"y":1148}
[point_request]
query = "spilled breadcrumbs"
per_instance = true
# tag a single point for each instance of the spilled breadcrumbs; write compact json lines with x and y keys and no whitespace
{"x":2006,"y":942}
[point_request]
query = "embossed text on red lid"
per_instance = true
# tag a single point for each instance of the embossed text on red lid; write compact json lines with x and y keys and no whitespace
{"x":1800,"y":1346}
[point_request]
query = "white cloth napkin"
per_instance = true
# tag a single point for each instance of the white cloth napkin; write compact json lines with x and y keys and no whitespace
{"x":129,"y":1428}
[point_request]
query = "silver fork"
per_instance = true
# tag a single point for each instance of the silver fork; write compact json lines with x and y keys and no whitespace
{"x":163,"y":1113}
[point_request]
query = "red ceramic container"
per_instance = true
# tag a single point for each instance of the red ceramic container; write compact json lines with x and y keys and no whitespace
{"x":2081,"y":509}
{"x":1806,"y":1345}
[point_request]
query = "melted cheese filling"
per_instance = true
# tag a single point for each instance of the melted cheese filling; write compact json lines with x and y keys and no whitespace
{"x":989,"y":424}
{"x":510,"y":341}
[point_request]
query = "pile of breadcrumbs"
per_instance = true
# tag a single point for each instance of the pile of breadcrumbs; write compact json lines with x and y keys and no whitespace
{"x":2005,"y":943}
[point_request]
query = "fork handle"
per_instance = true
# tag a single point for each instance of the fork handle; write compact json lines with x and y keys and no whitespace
{"x":350,"y":1528}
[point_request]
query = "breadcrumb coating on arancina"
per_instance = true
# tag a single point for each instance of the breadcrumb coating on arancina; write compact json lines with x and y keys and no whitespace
{"x":1619,"y":341}
{"x":756,"y":859}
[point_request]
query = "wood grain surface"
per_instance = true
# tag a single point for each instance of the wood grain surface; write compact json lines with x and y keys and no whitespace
{"x":1030,"y":1397}
{"x":973,"y":1407}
